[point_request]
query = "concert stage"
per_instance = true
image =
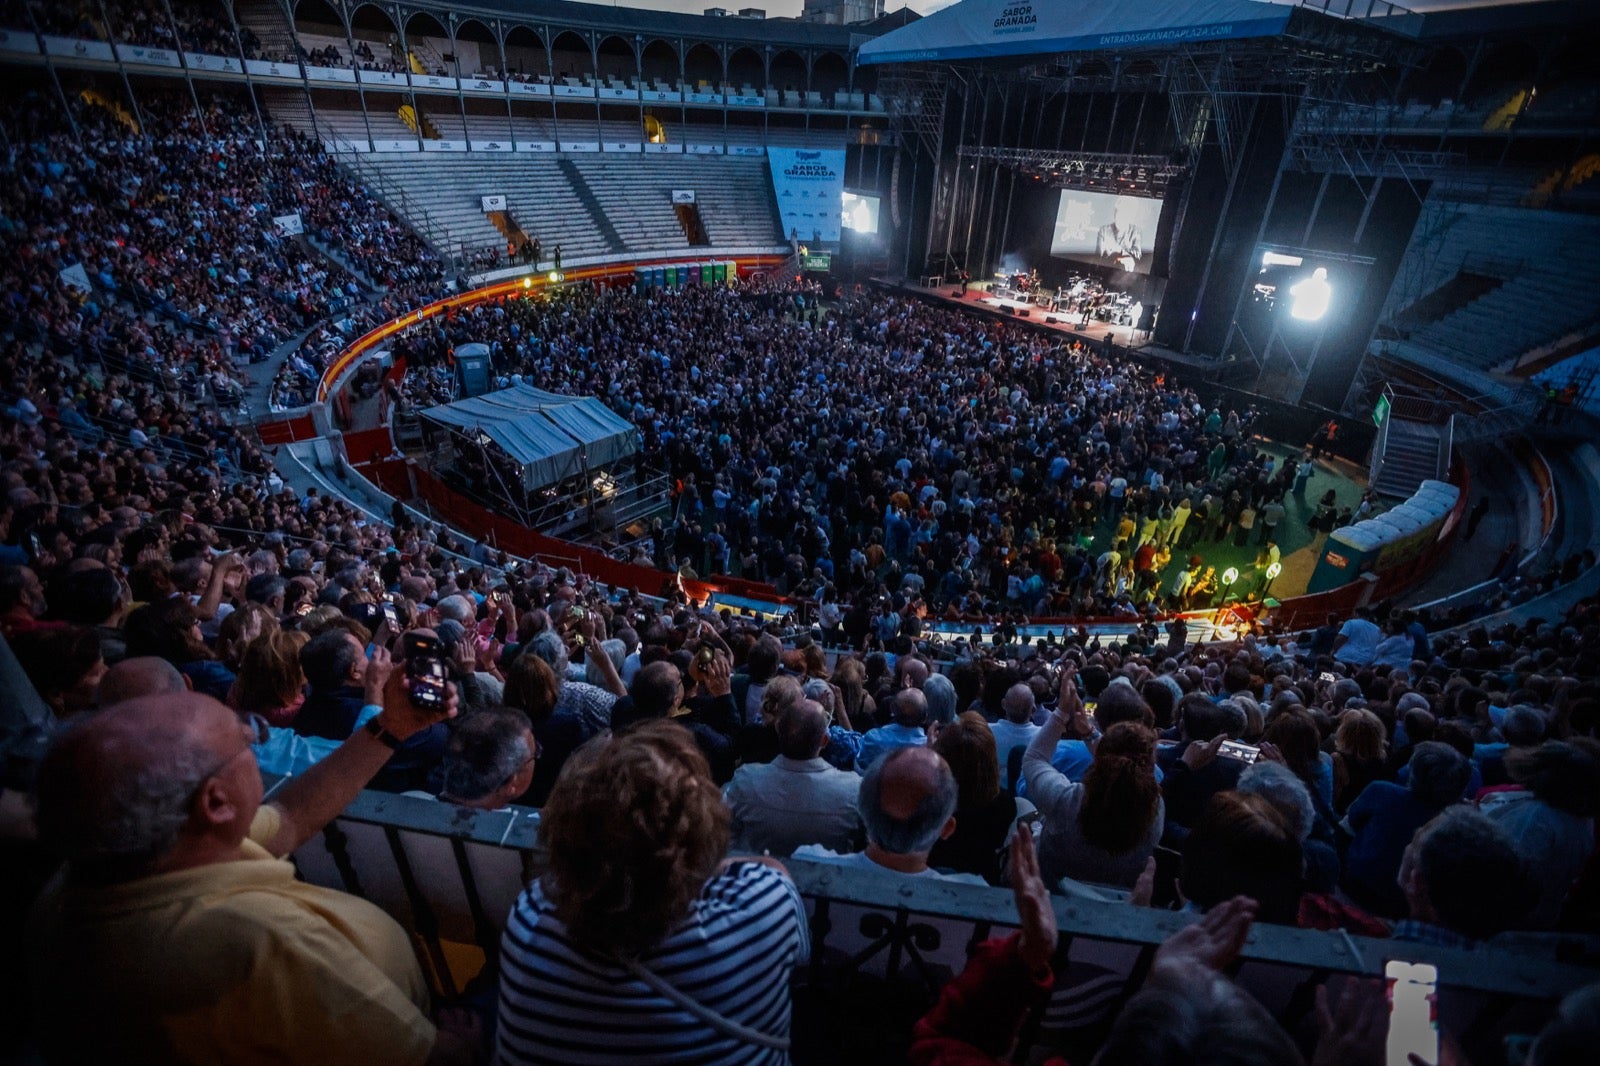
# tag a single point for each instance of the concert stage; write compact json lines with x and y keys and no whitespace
{"x":979,"y":298}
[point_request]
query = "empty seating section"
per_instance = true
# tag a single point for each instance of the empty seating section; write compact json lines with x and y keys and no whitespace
{"x":635,"y":192}
{"x":734,"y":197}
{"x":446,"y":118}
{"x":450,"y":188}
{"x":530,"y":128}
{"x":290,"y":107}
{"x":1549,"y":277}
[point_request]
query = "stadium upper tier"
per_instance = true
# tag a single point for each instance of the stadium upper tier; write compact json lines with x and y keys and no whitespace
{"x":551,"y":52}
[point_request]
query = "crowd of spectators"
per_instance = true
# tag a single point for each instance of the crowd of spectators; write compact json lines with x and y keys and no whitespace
{"x":194,"y":26}
{"x":1038,"y":478}
{"x":1447,"y":799}
{"x":175,"y":606}
{"x":160,"y":254}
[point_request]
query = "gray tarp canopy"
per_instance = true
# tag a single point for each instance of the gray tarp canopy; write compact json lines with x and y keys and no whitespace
{"x":552,"y":437}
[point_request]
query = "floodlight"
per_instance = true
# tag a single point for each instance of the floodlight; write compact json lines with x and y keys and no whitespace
{"x":1311,"y":296}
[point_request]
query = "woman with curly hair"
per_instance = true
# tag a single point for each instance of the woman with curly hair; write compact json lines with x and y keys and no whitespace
{"x":641,"y":943}
{"x":1104,"y":828}
{"x":851,"y":677}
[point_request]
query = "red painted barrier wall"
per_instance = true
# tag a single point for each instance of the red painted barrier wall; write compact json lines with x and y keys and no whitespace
{"x":286,"y":430}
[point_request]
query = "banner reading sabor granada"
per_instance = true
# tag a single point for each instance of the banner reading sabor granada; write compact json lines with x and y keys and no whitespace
{"x":809,"y":183}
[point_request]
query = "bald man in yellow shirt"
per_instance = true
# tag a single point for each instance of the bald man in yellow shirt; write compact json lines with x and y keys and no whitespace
{"x":177,"y":932}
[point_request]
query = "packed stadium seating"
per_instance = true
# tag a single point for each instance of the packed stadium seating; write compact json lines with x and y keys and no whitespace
{"x":904,"y":488}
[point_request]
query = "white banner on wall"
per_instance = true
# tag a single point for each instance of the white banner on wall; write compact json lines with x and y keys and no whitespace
{"x":330,"y":74}
{"x":491,"y":146}
{"x":663,"y":149}
{"x":580,"y":146}
{"x":197,"y":61}
{"x":154,"y":57}
{"x":623,"y":146}
{"x":494,"y":203}
{"x":382,"y":77}
{"x":266,"y":69}
{"x":683,"y":196}
{"x":71,"y":46}
{"x":809,"y":183}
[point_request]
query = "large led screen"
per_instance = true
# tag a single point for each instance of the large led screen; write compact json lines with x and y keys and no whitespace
{"x":859,"y":212}
{"x":1105,"y":229}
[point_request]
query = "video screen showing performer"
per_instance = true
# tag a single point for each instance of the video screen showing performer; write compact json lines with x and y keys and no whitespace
{"x":1106,"y":229}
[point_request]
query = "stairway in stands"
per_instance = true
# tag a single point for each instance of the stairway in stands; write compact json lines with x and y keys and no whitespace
{"x":1412,"y":454}
{"x":591,"y":204}
{"x":693,"y":227}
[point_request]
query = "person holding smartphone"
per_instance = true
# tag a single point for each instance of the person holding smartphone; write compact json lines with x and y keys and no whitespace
{"x":1104,"y":828}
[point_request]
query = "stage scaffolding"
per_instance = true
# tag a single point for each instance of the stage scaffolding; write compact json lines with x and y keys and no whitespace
{"x":1337,"y":66}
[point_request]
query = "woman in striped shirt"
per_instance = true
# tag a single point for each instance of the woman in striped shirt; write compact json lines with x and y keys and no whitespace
{"x":643,"y":944}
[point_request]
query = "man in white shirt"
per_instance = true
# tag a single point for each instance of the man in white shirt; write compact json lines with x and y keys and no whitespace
{"x":796,"y":799}
{"x":1357,"y":642}
{"x":908,"y":802}
{"x":1016,"y":729}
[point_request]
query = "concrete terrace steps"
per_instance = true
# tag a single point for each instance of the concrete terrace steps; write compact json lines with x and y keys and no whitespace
{"x":1410,"y":457}
{"x":1542,"y":261}
{"x":631,"y":194}
{"x":591,"y":204}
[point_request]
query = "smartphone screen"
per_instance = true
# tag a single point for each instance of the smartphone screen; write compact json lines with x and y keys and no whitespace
{"x":1232,"y":749}
{"x":1413,"y":1017}
{"x":391,"y":615}
{"x":427,"y":683}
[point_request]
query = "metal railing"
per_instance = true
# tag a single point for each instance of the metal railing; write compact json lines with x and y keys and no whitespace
{"x":450,"y":875}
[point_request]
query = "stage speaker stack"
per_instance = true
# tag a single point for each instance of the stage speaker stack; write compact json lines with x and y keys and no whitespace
{"x":1023,"y":312}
